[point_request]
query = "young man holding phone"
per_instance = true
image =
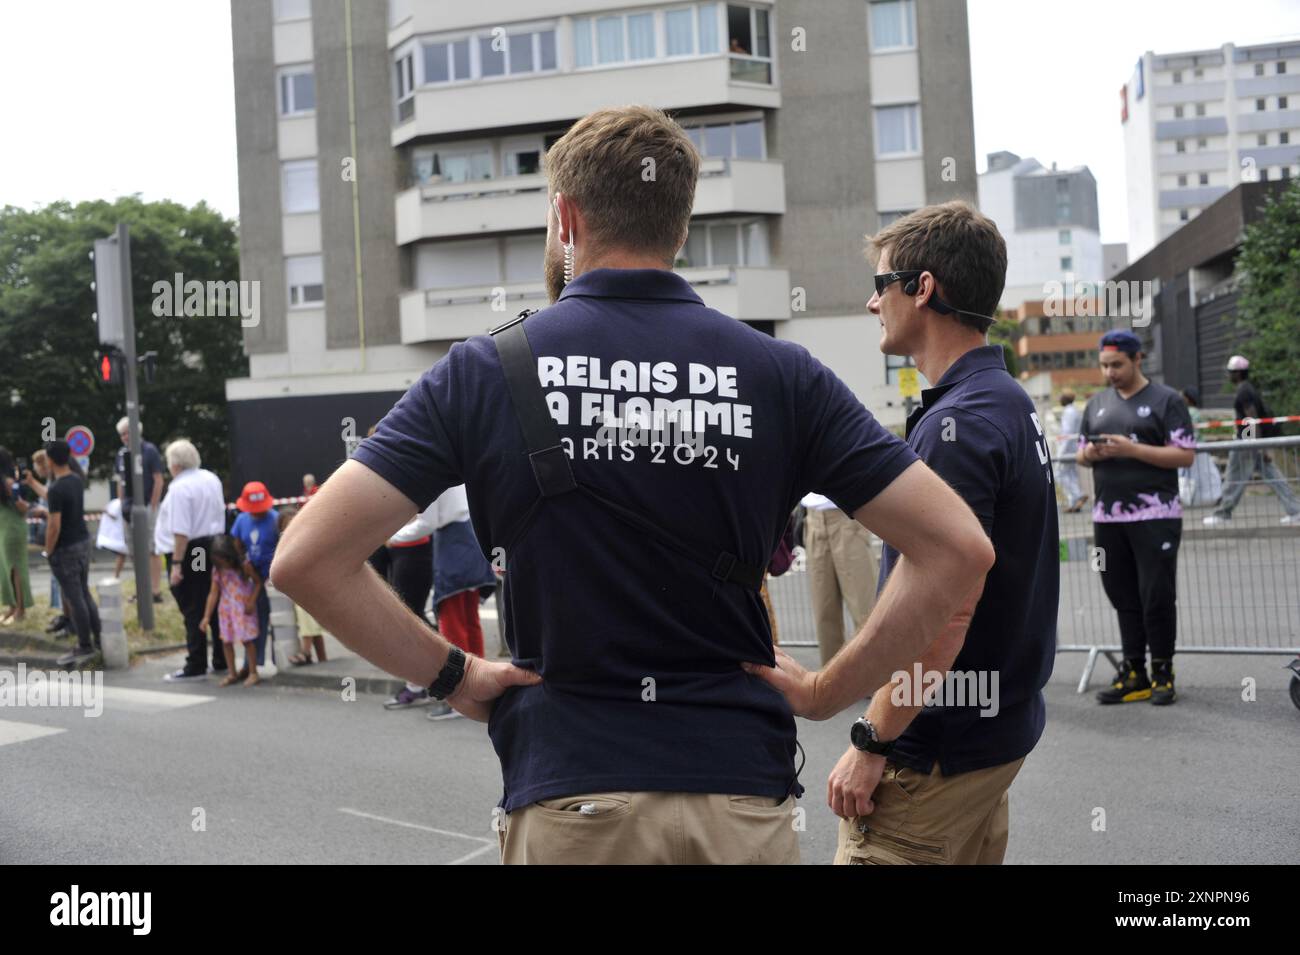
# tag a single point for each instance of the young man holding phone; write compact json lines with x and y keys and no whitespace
{"x":1136,"y":435}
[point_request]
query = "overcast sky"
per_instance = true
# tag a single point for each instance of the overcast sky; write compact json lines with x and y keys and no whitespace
{"x":140,"y":95}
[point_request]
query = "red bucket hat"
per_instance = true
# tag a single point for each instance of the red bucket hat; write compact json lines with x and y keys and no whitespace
{"x":256,"y":499}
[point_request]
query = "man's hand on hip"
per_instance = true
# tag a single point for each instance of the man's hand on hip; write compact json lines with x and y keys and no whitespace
{"x":797,"y":685}
{"x":484,"y":682}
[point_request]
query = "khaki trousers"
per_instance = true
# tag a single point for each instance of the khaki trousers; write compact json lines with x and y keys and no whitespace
{"x":652,"y":828}
{"x":842,"y":569}
{"x":932,"y":820}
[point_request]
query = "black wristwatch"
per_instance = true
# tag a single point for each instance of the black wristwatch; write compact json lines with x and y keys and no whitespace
{"x":864,"y":737}
{"x":449,"y":677}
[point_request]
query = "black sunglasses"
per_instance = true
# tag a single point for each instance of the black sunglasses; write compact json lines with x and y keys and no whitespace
{"x":886,"y":279}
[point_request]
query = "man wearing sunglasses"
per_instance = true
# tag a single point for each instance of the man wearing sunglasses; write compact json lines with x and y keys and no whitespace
{"x":928,"y":783}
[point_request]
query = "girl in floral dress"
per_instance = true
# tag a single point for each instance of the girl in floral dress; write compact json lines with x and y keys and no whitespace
{"x":235,"y":585}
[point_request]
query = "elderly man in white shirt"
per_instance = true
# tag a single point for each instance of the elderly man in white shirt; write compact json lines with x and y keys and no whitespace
{"x":193,"y":511}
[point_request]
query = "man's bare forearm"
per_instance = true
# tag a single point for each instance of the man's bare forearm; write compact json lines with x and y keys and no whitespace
{"x":891,"y":720}
{"x":917,"y":606}
{"x":366,"y":616}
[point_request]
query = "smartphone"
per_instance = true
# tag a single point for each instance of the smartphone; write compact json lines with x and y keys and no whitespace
{"x":1097,"y":438}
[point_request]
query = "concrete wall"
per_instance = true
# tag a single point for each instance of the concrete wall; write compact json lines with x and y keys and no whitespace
{"x":261,"y":256}
{"x":947,"y":131}
{"x":823,"y":134}
{"x":376,"y":176}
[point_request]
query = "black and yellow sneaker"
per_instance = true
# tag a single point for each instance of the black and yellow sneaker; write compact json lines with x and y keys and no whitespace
{"x":1131,"y":684}
{"x":1162,"y":682}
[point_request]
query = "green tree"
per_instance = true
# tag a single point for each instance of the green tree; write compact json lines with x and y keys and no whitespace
{"x":49,"y":342}
{"x":1268,"y":300}
{"x":1004,"y":332}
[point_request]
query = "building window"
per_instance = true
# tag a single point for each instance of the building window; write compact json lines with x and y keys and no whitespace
{"x":484,"y":55}
{"x":1259,"y":69}
{"x":1180,"y":146}
{"x":405,"y":80}
{"x":893,"y":216}
{"x":1182,"y":181}
{"x":1063,"y":237}
{"x":891,"y":25}
{"x":292,"y":9}
{"x":1200,"y":109}
{"x":1283,"y":138}
{"x":1260,"y":105}
{"x":1281,"y":102}
{"x":1281,"y":67}
{"x":299,"y":190}
{"x":892,"y":364}
{"x":1204,"y":179}
{"x":451,"y":164}
{"x":305,"y":277}
{"x":1261,"y":139}
{"x":1178,"y":112}
{"x":1201,"y":143}
{"x":898,"y":130}
{"x":749,"y":42}
{"x":740,"y":139}
{"x":1178,"y":76}
{"x":1067,"y":263}
{"x":1183,"y":215}
{"x":297,"y":91}
{"x":1197,"y":73}
{"x":728,"y":243}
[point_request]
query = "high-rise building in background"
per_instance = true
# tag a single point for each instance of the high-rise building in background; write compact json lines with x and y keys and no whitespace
{"x":1198,"y":123}
{"x":392,"y":199}
{"x":1049,"y":220}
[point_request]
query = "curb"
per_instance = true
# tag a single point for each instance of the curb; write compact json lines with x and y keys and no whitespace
{"x":323,"y":680}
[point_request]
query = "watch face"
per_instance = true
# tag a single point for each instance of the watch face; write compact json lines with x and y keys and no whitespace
{"x":859,"y":735}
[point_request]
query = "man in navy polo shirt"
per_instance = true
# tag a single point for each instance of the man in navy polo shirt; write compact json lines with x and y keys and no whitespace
{"x":926,"y":774}
{"x":626,"y":727}
{"x":1136,"y":435}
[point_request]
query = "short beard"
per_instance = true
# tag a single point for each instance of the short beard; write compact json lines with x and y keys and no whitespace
{"x":553,"y":268}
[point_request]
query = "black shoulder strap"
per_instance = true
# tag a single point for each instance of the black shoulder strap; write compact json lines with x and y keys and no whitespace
{"x":551,"y":465}
{"x":545,"y":452}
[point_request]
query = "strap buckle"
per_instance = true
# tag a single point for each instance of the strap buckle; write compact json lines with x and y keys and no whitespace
{"x":723,"y":566}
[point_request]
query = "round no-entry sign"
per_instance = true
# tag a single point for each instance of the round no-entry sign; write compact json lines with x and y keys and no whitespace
{"x":80,"y":441}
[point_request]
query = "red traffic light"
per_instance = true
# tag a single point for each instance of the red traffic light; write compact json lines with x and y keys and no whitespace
{"x":111,"y":368}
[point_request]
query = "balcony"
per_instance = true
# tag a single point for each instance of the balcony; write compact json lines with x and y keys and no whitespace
{"x":446,"y":209}
{"x":430,"y":315}
{"x":553,"y":98}
{"x":740,"y":185}
{"x":518,"y":203}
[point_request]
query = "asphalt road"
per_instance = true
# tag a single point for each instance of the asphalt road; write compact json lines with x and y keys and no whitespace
{"x":300,"y":775}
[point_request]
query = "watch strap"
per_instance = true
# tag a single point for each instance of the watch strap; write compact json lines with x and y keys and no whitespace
{"x":449,"y":677}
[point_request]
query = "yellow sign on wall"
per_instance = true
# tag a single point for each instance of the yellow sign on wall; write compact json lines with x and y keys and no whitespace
{"x":908,"y":386}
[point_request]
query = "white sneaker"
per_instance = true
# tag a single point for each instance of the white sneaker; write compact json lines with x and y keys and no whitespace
{"x":1215,"y":520}
{"x":1291,"y":519}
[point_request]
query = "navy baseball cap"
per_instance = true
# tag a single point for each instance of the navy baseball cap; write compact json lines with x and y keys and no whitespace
{"x":1120,"y":340}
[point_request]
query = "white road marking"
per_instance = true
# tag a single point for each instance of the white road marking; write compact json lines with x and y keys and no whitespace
{"x":11,"y":731}
{"x":149,"y":701}
{"x":477,"y":852}
{"x":490,"y":843}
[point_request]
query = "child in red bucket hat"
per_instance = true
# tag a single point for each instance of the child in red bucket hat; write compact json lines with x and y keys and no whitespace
{"x":257,"y":528}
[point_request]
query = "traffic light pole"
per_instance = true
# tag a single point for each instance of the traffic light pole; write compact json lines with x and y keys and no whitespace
{"x":141,"y":545}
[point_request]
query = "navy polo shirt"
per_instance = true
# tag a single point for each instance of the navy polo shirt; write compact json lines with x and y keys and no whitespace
{"x":978,"y":430}
{"x":639,"y":648}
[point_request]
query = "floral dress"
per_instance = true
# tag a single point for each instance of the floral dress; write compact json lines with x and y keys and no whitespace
{"x":237,"y":624}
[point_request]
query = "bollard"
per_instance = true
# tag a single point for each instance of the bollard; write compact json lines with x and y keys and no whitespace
{"x":284,"y":626}
{"x":113,"y":632}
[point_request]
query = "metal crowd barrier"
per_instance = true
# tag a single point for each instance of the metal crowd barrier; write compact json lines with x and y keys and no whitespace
{"x":1238,"y":583}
